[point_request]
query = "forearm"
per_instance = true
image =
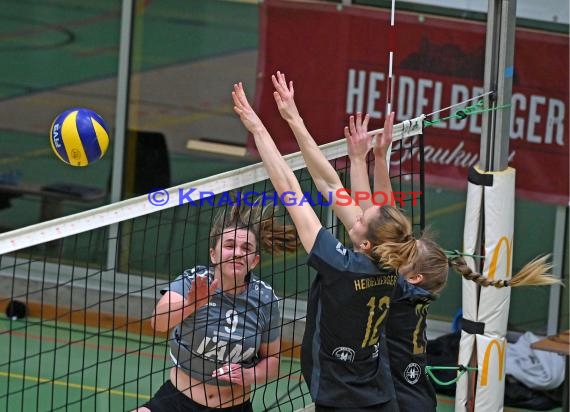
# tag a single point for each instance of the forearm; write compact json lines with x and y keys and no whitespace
{"x":382,"y":181}
{"x":285,"y":181}
{"x":279,"y":172}
{"x":325,"y":177}
{"x":359,"y":182}
{"x":267,"y":369}
{"x":169,"y":313}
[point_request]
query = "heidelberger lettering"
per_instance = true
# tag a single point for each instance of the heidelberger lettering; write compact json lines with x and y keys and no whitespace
{"x":361,"y":284}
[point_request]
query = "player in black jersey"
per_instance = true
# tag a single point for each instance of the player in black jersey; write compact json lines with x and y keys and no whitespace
{"x":419,"y":282}
{"x":343,"y":359}
{"x":225,"y":322}
{"x":406,"y":323}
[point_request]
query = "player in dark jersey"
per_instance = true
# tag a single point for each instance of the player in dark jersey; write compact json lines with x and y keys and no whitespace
{"x":406,"y":322}
{"x":225,"y":321}
{"x":419,"y":282}
{"x":343,"y":355}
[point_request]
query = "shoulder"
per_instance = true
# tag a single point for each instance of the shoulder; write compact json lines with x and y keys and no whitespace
{"x":412,"y":293}
{"x":327,"y":247}
{"x":197,"y":271}
{"x":330,"y":255}
{"x":264,"y":289}
{"x":183,"y":282}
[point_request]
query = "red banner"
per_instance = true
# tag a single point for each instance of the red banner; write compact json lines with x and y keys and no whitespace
{"x":337,"y":58}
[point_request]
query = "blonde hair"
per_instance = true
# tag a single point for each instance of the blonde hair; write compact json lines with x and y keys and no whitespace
{"x":394,"y":245}
{"x":431,"y":262}
{"x":534,"y":273}
{"x":260,"y":219}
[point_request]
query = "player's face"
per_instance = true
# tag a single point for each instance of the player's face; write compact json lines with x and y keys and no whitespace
{"x":358,"y":232}
{"x":235,"y":252}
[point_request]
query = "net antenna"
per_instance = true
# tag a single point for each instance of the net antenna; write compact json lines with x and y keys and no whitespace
{"x":390,"y":82}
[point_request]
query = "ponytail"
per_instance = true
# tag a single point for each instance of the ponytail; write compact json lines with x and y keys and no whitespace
{"x":395,"y":246}
{"x":534,"y":273}
{"x":395,"y":254}
{"x":390,"y":233}
{"x":277,"y":237}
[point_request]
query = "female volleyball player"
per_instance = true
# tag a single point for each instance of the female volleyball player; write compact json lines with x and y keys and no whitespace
{"x":422,"y":265}
{"x":344,"y":359}
{"x":420,"y":280}
{"x":225,"y":321}
{"x":417,"y":285}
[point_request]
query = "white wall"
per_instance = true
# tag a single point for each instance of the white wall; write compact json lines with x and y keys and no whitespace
{"x":554,"y":11}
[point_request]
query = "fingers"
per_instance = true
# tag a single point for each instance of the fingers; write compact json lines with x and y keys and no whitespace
{"x":365,"y":122}
{"x":358,"y":125}
{"x":277,"y":98}
{"x":201,"y":282}
{"x":229,"y":372}
{"x":213,"y":286}
{"x":281,"y":78}
{"x":275,"y":82}
{"x":351,"y":125}
{"x":280,"y":84}
{"x":240,"y":99}
{"x":239,"y":95}
{"x":362,"y":125}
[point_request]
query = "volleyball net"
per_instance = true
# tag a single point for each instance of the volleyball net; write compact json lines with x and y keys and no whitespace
{"x":79,"y":291}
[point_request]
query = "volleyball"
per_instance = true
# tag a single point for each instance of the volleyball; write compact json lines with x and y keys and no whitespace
{"x":79,"y":137}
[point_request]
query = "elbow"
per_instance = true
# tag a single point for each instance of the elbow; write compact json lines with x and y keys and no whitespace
{"x":160,"y":327}
{"x":273,"y":367}
{"x":158,"y":324}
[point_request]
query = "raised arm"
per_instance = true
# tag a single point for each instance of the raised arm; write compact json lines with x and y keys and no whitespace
{"x":281,"y":175}
{"x":325,"y":177}
{"x":381,"y":171}
{"x":359,"y":144}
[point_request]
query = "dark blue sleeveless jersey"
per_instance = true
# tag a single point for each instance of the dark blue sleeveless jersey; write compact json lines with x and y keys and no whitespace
{"x":406,"y":332}
{"x":344,"y":354}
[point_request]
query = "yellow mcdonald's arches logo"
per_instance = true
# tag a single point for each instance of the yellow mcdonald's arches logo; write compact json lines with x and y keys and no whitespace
{"x":501,"y":355}
{"x":495,"y":257}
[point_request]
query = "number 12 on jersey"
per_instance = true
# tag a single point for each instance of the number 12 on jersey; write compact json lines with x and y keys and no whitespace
{"x":377,"y":311}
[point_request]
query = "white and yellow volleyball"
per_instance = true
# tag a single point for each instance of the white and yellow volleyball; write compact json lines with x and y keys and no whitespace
{"x":79,"y":137}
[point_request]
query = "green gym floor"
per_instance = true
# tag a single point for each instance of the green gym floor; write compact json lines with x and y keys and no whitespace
{"x":83,"y":369}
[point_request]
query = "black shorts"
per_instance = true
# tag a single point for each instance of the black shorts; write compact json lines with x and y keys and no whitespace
{"x":391,"y":406}
{"x":169,"y":399}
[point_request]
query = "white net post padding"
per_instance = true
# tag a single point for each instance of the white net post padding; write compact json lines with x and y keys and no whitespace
{"x":492,"y":305}
{"x":469,"y":288}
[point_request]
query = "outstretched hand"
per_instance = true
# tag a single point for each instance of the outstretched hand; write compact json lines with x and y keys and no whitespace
{"x":200,"y":291}
{"x":284,"y":96}
{"x":243,"y":109}
{"x":358,"y":141}
{"x":384,"y":140}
